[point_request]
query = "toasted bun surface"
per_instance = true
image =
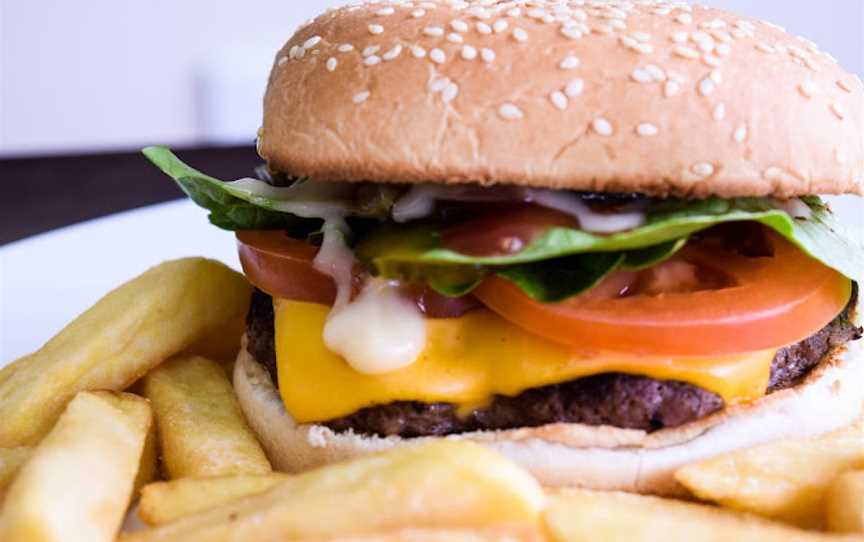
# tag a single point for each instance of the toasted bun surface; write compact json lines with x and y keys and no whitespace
{"x":625,"y":97}
{"x":574,"y":455}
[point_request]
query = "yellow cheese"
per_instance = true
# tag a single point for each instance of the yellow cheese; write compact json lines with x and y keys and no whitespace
{"x":469,"y":360}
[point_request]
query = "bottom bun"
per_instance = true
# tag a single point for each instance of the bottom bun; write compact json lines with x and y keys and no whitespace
{"x":575,"y":455}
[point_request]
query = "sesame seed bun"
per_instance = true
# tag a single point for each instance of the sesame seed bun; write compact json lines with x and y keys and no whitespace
{"x":654,"y":97}
{"x":575,"y":455}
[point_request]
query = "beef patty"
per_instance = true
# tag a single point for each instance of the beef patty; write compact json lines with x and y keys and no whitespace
{"x":619,"y":400}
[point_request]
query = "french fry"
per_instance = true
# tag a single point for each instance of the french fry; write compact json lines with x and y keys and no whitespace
{"x":11,"y":461}
{"x":202,"y":431}
{"x":784,"y":480}
{"x":77,"y":484}
{"x":118,"y":340}
{"x":148,"y":469}
{"x":844,"y":503}
{"x":163,"y":502}
{"x":442,"y":484}
{"x":611,"y":517}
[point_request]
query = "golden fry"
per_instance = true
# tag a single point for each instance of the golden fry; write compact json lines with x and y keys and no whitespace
{"x":844,"y":503}
{"x":163,"y":502}
{"x":442,"y":484}
{"x":77,"y":484}
{"x":783,"y":480}
{"x":588,"y":516}
{"x":11,"y":461}
{"x":118,"y":340}
{"x":202,"y":431}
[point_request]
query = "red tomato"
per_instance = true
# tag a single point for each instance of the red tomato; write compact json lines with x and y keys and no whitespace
{"x":705,"y":301}
{"x":504,"y":231}
{"x":282,"y":267}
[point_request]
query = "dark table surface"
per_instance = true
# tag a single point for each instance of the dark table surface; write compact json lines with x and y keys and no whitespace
{"x":44,"y":193}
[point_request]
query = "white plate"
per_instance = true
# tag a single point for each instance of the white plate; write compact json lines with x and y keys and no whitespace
{"x":47,"y":280}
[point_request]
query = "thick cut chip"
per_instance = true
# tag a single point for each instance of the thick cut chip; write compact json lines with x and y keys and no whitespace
{"x":443,"y":484}
{"x":577,"y":516}
{"x":117,"y":341}
{"x":785,"y":480}
{"x":77,"y":484}
{"x":844,"y":503}
{"x":202,"y":431}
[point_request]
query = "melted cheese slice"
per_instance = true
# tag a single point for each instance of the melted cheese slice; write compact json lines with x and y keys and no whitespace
{"x":469,"y":360}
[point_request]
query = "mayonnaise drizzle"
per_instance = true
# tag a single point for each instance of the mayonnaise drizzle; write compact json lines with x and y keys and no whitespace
{"x":379,"y":332}
{"x":420,"y":201}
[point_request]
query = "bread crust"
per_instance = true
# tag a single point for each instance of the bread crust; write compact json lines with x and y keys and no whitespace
{"x":712,"y":103}
{"x":575,"y":455}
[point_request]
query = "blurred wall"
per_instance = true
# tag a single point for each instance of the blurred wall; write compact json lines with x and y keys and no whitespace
{"x":100,"y":74}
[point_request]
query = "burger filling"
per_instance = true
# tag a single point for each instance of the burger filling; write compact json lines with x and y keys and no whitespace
{"x":433,"y":309}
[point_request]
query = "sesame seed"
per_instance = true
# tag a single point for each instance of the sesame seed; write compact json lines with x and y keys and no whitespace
{"x":509,"y":111}
{"x":434,"y":31}
{"x":282,"y":61}
{"x":671,"y":88}
{"x":417,"y":13}
{"x":808,"y":89}
{"x":711,"y":61}
{"x":686,"y":52}
{"x":647,"y":129}
{"x":641,"y":76}
{"x":450,"y":92}
{"x":559,"y":100}
{"x":459,"y":25}
{"x":312,"y":42}
{"x":345,"y":48}
{"x":376,"y":29}
{"x":455,"y":38}
{"x":603,"y":127}
{"x":569,"y":63}
{"x":520,"y":35}
{"x":604,"y":29}
{"x":629,"y":42}
{"x":707,"y":86}
{"x":845,"y":85}
{"x":469,"y":52}
{"x":383,"y":12}
{"x":838,"y":110}
{"x":488,"y":55}
{"x":371,"y":50}
{"x":332,"y":63}
{"x":656,"y":72}
{"x":641,"y":36}
{"x":437,"y":85}
{"x":484,"y":28}
{"x":719,"y":112}
{"x":392,"y":53}
{"x":722,"y":35}
{"x":500,"y":26}
{"x":680,"y":37}
{"x":372,"y":60}
{"x":571,"y":32}
{"x":618,"y":23}
{"x":514,"y":12}
{"x":684,"y":18}
{"x":418,"y":52}
{"x":574,"y":88}
{"x":644,"y":48}
{"x":723,"y":49}
{"x":437,"y":56}
{"x":765,"y":48}
{"x":703,"y":169}
{"x":300,"y":53}
{"x":717,"y":77}
{"x":740,"y":134}
{"x":361,"y":97}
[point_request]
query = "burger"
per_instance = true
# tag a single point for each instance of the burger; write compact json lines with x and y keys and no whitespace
{"x":587,"y":234}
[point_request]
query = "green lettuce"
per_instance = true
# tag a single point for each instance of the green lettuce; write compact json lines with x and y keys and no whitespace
{"x":559,"y":264}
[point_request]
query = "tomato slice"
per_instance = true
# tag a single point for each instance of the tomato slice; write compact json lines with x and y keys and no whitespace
{"x":283,"y":267}
{"x":743,"y":305}
{"x":504,"y":231}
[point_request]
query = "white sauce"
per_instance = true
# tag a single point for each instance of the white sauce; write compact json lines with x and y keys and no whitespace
{"x":420,"y":201}
{"x":335,"y":259}
{"x":794,"y":207}
{"x":379,"y":332}
{"x":318,"y":199}
{"x":589,"y":221}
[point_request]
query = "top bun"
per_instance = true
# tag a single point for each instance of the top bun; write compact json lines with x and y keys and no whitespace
{"x":656,"y":97}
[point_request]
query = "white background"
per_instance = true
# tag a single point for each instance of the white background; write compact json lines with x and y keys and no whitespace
{"x":81,"y":75}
